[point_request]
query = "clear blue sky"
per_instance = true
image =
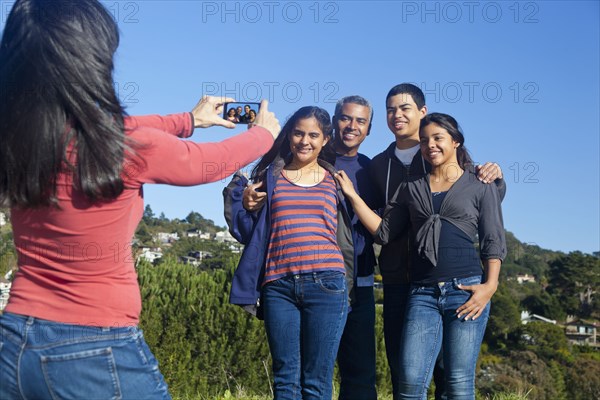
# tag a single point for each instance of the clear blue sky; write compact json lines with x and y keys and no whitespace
{"x":522,"y":78}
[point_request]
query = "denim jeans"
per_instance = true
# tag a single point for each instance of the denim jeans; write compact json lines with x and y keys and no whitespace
{"x":395,"y":297}
{"x":41,"y":359}
{"x":304,"y":319}
{"x":356,"y":356}
{"x":431,"y":324}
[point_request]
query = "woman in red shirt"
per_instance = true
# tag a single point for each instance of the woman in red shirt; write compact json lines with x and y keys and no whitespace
{"x":72,"y":167}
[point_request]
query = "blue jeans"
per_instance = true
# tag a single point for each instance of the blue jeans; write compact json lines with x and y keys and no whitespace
{"x":395,"y":297}
{"x":356,"y":356}
{"x":431,"y":324}
{"x":304,"y":319}
{"x":48,"y":360}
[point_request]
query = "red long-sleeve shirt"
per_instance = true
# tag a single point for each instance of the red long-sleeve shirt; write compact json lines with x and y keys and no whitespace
{"x":75,"y":263}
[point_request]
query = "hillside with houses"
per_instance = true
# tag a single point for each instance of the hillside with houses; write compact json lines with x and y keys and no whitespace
{"x":542,"y":336}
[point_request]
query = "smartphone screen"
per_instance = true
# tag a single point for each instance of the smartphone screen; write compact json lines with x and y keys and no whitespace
{"x":241,"y":113}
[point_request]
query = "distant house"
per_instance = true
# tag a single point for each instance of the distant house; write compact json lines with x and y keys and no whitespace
{"x":150,"y":255}
{"x":193,"y":232}
{"x":225,"y":236}
{"x":582,"y":332}
{"x":521,"y":279}
{"x":526,"y":318}
{"x":5,"y":285}
{"x":235,"y":248}
{"x":197,"y":233}
{"x":163,"y":237}
{"x":2,"y":219}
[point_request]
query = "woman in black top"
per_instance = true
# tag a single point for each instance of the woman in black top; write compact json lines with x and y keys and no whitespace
{"x":449,"y":302}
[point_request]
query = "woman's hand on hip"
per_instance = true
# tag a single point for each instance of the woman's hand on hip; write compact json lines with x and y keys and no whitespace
{"x":481,"y":296}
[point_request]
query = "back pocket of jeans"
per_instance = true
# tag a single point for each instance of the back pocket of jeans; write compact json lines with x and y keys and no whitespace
{"x":90,"y":373}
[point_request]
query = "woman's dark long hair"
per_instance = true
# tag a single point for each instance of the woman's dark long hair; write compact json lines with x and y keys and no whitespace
{"x":281,"y":147}
{"x":57,"y":95}
{"x":448,"y":123}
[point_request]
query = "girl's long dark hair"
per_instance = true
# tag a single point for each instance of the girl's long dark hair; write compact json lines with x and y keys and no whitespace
{"x":56,"y":96}
{"x":448,"y":123}
{"x":281,"y":147}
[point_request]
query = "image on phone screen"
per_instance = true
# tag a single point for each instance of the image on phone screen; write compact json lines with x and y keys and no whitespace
{"x":241,"y":113}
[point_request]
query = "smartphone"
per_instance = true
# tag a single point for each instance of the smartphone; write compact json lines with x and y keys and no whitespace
{"x":241,"y":112}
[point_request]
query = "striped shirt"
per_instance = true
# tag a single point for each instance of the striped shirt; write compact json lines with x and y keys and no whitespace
{"x":303,"y":230}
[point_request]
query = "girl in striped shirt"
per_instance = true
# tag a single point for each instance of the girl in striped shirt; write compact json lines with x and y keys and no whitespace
{"x":308,"y":250}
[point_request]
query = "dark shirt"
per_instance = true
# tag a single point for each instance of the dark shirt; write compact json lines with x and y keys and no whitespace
{"x":357,"y":169}
{"x":457,"y":254}
{"x":470,"y":206}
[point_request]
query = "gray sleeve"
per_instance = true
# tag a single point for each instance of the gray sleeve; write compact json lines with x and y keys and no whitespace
{"x":492,"y":240}
{"x":501,"y":186}
{"x":395,"y":218}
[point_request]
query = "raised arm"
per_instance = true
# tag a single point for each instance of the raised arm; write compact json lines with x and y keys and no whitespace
{"x":205,"y":114}
{"x":161,"y":158}
{"x":395,"y":217}
{"x":180,"y":125}
{"x":367,"y":217}
{"x":239,"y":220}
{"x":166,"y":159}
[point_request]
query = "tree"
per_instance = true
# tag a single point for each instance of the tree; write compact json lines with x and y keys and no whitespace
{"x":535,"y":265}
{"x":505,"y":318}
{"x":195,"y":219}
{"x":543,"y":304}
{"x":148,"y":216}
{"x":144,"y":235}
{"x":203,"y":344}
{"x":574,"y":279}
{"x":546,"y":340}
{"x":8,"y":254}
{"x":583,"y":379}
{"x":523,"y":372}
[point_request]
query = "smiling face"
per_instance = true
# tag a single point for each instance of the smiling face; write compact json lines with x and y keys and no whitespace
{"x":306,"y":141}
{"x":403,"y":119}
{"x":352,"y":127}
{"x":437,"y":146}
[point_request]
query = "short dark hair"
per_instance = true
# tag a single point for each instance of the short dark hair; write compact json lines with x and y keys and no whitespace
{"x":450,"y":124}
{"x":354,"y":99}
{"x":56,"y":65}
{"x":281,"y":147}
{"x":408,"y":88}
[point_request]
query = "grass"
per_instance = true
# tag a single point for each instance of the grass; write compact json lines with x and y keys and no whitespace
{"x":241,"y":395}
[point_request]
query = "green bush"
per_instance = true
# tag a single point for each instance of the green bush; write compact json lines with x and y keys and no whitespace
{"x":209,"y":349}
{"x":203,"y":344}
